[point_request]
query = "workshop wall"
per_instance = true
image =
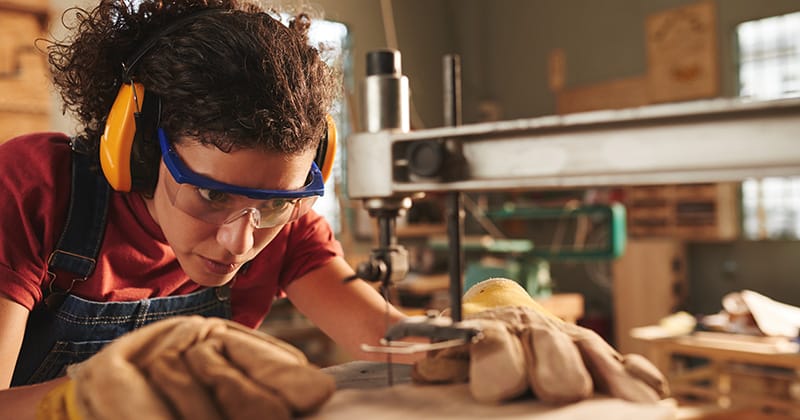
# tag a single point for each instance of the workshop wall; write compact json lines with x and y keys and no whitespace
{"x":421,"y":29}
{"x":504,"y":46}
{"x":602,"y":41}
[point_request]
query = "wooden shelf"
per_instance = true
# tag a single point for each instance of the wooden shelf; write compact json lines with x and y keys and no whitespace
{"x":688,"y":212}
{"x":421,"y":230}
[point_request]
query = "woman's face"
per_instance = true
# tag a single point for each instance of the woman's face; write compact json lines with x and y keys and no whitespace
{"x":211,"y":254}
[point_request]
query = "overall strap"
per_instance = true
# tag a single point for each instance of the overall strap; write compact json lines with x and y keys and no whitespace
{"x":79,"y":245}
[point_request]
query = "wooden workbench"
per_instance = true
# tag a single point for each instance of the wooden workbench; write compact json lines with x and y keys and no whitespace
{"x":363,"y":392}
{"x":732,"y":361}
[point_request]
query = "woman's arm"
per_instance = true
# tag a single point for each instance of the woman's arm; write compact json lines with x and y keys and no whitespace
{"x":13,"y":318}
{"x":19,"y":402}
{"x":350,"y":313}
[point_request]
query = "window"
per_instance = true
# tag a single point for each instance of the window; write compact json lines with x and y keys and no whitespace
{"x":332,"y":38}
{"x":769,"y":57}
{"x":769,"y":68}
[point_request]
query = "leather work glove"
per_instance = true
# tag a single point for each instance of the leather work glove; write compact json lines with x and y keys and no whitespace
{"x":522,"y":346}
{"x":190,"y":367}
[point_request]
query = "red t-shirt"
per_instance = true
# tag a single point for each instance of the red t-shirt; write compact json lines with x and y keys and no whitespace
{"x":135,"y":261}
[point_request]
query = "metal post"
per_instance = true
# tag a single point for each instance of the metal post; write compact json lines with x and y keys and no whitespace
{"x":455,"y":220}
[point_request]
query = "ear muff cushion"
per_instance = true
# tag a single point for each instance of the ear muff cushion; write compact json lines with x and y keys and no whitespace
{"x":327,"y":151}
{"x":117,"y":139}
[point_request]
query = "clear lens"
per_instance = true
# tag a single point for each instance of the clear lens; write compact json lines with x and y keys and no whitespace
{"x":219,"y":207}
{"x":219,"y":203}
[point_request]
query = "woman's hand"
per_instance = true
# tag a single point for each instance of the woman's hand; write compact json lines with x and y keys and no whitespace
{"x":190,"y":367}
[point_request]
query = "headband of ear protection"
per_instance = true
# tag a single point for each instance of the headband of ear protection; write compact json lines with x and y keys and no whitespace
{"x":326,"y":151}
{"x":127,"y":145}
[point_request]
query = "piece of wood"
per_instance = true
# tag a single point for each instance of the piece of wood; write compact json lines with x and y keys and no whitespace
{"x":740,"y":342}
{"x":615,"y":94}
{"x":403,"y":402}
{"x":567,"y":306}
{"x":556,"y":69}
{"x":363,"y":393}
{"x":772,"y":317}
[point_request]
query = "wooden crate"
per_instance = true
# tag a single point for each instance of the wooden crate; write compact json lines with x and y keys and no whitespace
{"x":688,"y":212}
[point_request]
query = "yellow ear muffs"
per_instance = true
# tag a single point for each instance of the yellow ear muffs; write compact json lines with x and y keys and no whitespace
{"x":116,"y":142}
{"x":327,"y":149}
{"x":127,"y":151}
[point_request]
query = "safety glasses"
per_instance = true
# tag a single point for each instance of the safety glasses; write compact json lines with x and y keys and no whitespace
{"x":219,"y":203}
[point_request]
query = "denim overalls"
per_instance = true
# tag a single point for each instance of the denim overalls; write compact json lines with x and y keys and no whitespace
{"x":64,"y":329}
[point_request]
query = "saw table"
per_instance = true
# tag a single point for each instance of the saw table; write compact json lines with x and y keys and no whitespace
{"x":363,"y":392}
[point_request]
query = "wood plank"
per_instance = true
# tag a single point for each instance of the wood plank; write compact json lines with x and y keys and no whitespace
{"x":615,"y":94}
{"x":371,"y":398}
{"x":567,"y":306}
{"x":729,"y":351}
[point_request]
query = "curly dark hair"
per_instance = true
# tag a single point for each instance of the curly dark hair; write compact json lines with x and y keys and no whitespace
{"x":235,"y":79}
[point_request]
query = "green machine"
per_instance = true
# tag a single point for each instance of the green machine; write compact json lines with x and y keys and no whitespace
{"x":598,"y":230}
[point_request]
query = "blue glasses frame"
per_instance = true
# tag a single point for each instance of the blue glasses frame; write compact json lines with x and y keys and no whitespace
{"x":183,"y":175}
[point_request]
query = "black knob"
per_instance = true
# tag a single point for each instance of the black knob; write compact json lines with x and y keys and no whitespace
{"x":426,"y":158}
{"x":383,"y":62}
{"x":372,"y":270}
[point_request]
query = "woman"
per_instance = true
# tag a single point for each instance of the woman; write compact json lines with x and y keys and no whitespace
{"x":217,"y":114}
